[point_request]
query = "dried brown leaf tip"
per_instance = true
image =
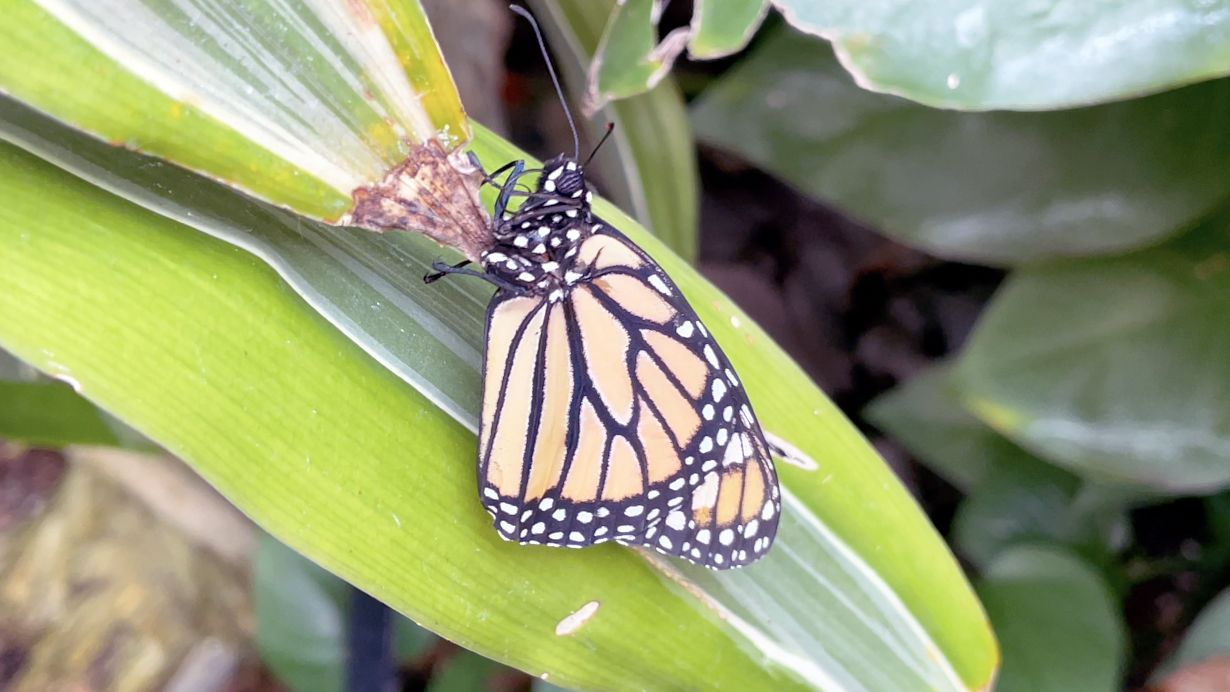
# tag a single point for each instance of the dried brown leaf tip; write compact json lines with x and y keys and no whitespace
{"x":432,"y":192}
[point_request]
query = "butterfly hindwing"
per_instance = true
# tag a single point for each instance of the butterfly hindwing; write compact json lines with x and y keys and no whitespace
{"x":609,"y":413}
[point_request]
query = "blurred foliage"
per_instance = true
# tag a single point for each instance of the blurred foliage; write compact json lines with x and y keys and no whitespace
{"x":723,"y":27}
{"x":38,"y":410}
{"x":950,"y":54}
{"x":300,"y":618}
{"x":50,"y":413}
{"x":1012,"y":496}
{"x":1056,"y":620}
{"x":303,"y":615}
{"x":999,"y":188}
{"x":1114,"y":367}
{"x":1207,"y":638}
{"x":1020,"y":55}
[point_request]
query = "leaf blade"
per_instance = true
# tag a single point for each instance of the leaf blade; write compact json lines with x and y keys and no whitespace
{"x":724,"y":27}
{"x":315,"y":105}
{"x":992,"y":188}
{"x":1014,"y":56}
{"x":1116,"y":377}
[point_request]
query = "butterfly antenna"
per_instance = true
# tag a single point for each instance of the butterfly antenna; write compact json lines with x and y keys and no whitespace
{"x":610,"y":127}
{"x":542,"y":46}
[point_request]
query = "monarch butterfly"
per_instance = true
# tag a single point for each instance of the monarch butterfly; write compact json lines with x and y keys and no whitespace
{"x":608,"y":411}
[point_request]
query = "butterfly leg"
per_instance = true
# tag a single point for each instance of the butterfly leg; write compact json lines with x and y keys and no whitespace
{"x":509,"y":186}
{"x":443,"y":269}
{"x":489,"y":178}
{"x":507,"y":189}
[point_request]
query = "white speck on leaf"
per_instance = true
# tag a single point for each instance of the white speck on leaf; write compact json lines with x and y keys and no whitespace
{"x":573,"y":622}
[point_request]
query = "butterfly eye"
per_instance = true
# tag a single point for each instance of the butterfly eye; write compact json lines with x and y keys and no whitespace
{"x":570,"y":185}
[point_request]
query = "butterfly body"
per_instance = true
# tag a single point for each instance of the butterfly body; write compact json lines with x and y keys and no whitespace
{"x":609,"y":413}
{"x":535,"y":249}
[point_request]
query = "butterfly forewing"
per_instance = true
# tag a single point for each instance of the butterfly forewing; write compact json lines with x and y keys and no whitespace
{"x":610,"y":413}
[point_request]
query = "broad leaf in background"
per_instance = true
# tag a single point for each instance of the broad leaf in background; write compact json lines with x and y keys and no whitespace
{"x":925,"y":415}
{"x":1114,"y":368}
{"x":300,"y":614}
{"x":1207,"y":639}
{"x":724,"y":27}
{"x":51,"y":414}
{"x":995,"y":188}
{"x":12,"y":369}
{"x":1030,"y":501}
{"x":307,"y":103}
{"x":38,"y":410}
{"x":1020,"y":55}
{"x":465,"y":671}
{"x":1058,"y":624}
{"x":649,"y":164}
{"x":630,"y":59}
{"x":1012,"y":496}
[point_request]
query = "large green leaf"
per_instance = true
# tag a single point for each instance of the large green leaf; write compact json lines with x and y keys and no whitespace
{"x":724,"y":27}
{"x":300,"y":612}
{"x":1029,"y":501}
{"x":296,"y":103}
{"x":50,"y":413}
{"x":996,"y":188}
{"x":630,"y":59}
{"x":822,"y":584}
{"x":1115,"y":367}
{"x":335,"y":455}
{"x":1020,"y":55}
{"x":1013,"y":497}
{"x":201,"y":346}
{"x":925,"y":415}
{"x":1061,"y":629}
{"x":649,"y":164}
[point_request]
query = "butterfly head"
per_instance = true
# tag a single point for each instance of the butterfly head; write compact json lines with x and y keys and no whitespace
{"x":563,"y":177}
